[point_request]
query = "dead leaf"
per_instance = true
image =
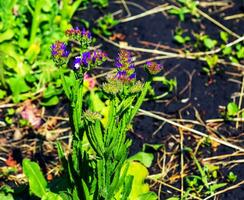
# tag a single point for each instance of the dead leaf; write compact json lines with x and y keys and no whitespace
{"x":29,"y":112}
{"x":10,"y":161}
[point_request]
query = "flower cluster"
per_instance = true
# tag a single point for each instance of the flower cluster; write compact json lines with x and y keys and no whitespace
{"x":153,"y":67}
{"x":76,"y":33}
{"x":59,"y":52}
{"x":89,"y":59}
{"x":126,"y":69}
{"x":84,"y":36}
{"x":92,"y":116}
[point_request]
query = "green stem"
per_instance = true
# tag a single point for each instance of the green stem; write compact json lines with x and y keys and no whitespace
{"x":35,"y":21}
{"x":77,"y":108}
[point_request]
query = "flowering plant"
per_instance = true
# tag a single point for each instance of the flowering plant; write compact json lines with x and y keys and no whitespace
{"x":104,"y":172}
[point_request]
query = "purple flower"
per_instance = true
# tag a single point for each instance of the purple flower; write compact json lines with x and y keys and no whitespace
{"x":59,"y":50}
{"x":126,"y":69}
{"x":121,"y":75}
{"x":86,"y":58}
{"x":86,"y":33}
{"x":132,"y":76}
{"x":98,"y":55}
{"x":153,"y":67}
{"x":77,"y":34}
{"x":77,"y":63}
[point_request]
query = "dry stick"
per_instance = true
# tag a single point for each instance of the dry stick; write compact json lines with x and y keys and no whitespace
{"x":236,"y":16}
{"x":221,"y":157}
{"x":146,"y":13}
{"x":132,"y":4}
{"x":240,"y":100}
{"x":153,"y":51}
{"x":215,"y":3}
{"x":225,"y":190}
{"x":217,"y":23}
{"x":147,"y":113}
{"x":181,"y":162}
{"x":126,"y":8}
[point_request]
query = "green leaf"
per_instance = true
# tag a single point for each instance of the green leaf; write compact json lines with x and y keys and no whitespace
{"x":179,"y":39}
{"x":51,"y":196}
{"x":224,"y":36}
{"x":6,"y":193}
{"x":209,"y":43}
{"x":173,"y":198}
{"x":18,"y":85}
{"x":216,"y":186}
{"x":232,"y":177}
{"x":232,"y":109}
{"x":51,"y":91}
{"x":7,"y":35}
{"x":139,"y":173}
{"x":2,"y":94}
{"x":145,"y":158}
{"x":51,"y":101}
{"x":156,"y":147}
{"x":6,"y":196}
{"x":212,"y":60}
{"x":240,"y":53}
{"x":227,"y":50}
{"x":37,"y":182}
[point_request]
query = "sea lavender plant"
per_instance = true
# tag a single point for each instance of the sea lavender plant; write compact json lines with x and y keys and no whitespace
{"x":102,"y":174}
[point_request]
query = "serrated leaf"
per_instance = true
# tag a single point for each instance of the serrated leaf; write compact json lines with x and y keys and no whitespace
{"x":35,"y":177}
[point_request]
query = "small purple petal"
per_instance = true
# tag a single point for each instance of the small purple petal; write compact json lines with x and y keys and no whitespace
{"x":132,"y":76}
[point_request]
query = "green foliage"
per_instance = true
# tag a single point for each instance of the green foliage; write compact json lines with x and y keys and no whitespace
{"x":105,"y":24}
{"x":25,"y":27}
{"x":180,"y":12}
{"x":139,"y":189}
{"x":37,"y":182}
{"x":209,"y":43}
{"x":204,"y":41}
{"x":179,"y":38}
{"x":203,"y":183}
{"x":171,"y":84}
{"x":144,"y":158}
{"x":6,"y":193}
{"x":186,"y":7}
{"x":224,"y":36}
{"x":232,"y":177}
{"x":100,"y":3}
{"x":212,"y":61}
{"x":232,"y":110}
